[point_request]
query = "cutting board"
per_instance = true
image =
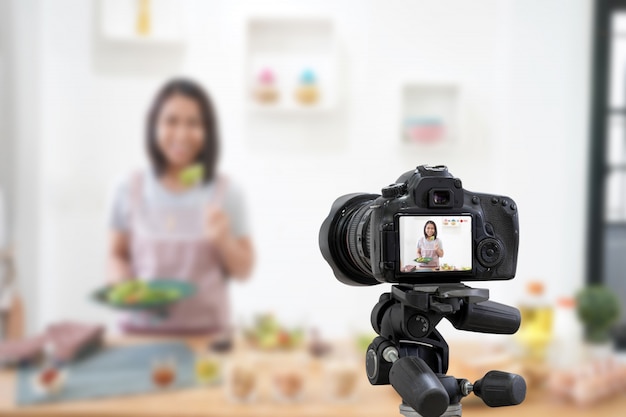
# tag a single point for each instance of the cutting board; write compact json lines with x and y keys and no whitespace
{"x":110,"y":372}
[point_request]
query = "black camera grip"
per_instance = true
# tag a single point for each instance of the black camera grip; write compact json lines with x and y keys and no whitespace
{"x":487,"y":317}
{"x":419,"y":387}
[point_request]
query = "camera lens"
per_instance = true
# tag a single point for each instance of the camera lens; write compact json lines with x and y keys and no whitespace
{"x":441,"y":197}
{"x":345,"y":239}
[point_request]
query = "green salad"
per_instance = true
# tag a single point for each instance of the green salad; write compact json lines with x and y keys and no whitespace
{"x":139,"y":292}
{"x":192,"y":175}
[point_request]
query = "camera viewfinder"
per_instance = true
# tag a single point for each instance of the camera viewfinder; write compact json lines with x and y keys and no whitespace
{"x":440,"y":198}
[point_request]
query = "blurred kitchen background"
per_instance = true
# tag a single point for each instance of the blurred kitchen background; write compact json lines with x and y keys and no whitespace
{"x":316,"y":99}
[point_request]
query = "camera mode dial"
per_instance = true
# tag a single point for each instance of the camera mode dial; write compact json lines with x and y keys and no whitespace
{"x":394,"y":190}
{"x":490,"y":252}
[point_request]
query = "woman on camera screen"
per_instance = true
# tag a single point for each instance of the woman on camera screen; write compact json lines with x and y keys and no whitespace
{"x":430,"y":246}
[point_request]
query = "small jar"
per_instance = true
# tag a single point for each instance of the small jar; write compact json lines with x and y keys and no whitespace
{"x":341,"y":378}
{"x":208,"y":368}
{"x":288,"y":377}
{"x":163,"y":372}
{"x":50,"y":379}
{"x":242,"y":380}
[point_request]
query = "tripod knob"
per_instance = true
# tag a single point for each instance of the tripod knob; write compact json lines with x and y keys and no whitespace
{"x":419,"y":387}
{"x":498,"y":389}
{"x":376,"y":366}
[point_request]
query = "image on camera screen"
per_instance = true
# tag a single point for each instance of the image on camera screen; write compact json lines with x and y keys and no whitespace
{"x":435,"y":243}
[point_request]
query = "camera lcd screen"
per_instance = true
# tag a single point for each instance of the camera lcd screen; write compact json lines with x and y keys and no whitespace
{"x":440,"y":243}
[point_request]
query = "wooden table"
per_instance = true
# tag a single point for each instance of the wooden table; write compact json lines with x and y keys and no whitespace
{"x":211,"y":401}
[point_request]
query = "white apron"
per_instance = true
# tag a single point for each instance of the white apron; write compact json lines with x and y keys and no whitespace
{"x":170,"y":242}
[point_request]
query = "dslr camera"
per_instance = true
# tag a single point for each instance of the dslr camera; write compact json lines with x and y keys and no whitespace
{"x":427,"y":235}
{"x":371,"y":238}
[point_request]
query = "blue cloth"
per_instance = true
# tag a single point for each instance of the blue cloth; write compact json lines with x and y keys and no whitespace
{"x":111,"y":372}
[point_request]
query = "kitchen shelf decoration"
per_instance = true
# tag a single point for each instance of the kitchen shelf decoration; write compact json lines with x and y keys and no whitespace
{"x":265,"y":90}
{"x":430,"y":113}
{"x":140,"y":22}
{"x":307,"y":92}
{"x":291,"y":64}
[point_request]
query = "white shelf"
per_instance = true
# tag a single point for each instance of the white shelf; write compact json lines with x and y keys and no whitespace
{"x":430,"y":114}
{"x":118,"y":22}
{"x":287,"y":46}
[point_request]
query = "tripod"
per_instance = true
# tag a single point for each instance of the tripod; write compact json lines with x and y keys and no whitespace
{"x":412,"y":356}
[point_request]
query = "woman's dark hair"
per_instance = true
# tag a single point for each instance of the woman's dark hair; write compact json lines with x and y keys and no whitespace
{"x":209,"y":153}
{"x":434,"y":225}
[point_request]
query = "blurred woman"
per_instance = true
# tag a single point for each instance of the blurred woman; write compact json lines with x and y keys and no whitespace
{"x":430,"y":246}
{"x":164,"y":227}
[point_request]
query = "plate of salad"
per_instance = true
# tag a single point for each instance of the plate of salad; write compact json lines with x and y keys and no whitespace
{"x":137,"y":294}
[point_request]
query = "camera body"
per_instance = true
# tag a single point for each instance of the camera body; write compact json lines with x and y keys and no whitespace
{"x":369,"y":239}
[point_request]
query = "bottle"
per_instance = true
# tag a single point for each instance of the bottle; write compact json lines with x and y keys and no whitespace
{"x":535,"y":333}
{"x":143,"y":18}
{"x":566,"y":349}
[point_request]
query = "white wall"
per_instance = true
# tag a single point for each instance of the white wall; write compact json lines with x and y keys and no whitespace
{"x":24,"y":149}
{"x":5,"y":119}
{"x":543,"y":151}
{"x":523,"y":70}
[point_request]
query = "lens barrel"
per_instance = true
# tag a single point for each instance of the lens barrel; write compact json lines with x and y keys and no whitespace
{"x":345,"y":239}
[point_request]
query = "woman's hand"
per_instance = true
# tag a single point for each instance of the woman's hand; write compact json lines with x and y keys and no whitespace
{"x":217,"y":227}
{"x":236,"y":252}
{"x":438,"y":250}
{"x":119,"y":257}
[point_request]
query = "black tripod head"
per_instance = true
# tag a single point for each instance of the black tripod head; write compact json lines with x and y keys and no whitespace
{"x":412,"y":356}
